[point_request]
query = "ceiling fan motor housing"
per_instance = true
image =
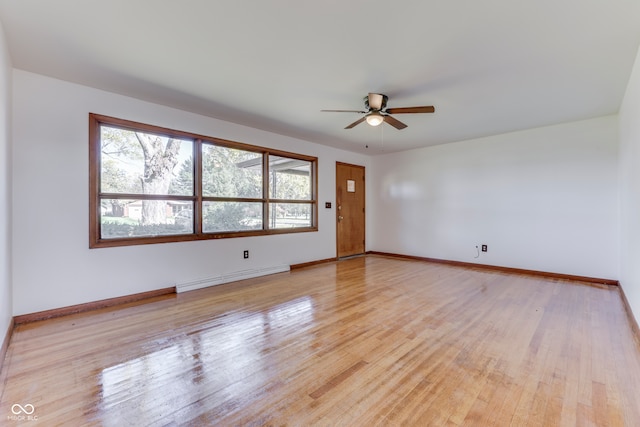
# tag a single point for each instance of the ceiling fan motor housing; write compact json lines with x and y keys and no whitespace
{"x":382,"y":106}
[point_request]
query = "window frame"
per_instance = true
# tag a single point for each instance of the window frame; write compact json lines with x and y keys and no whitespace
{"x":96,"y":195}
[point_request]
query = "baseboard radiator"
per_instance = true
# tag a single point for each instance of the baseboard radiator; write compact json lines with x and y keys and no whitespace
{"x":230,"y":277}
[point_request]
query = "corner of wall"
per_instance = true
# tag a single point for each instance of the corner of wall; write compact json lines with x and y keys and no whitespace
{"x":6,"y":291}
{"x":629,"y":201}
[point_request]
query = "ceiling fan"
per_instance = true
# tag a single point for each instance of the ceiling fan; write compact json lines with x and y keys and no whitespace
{"x":375,"y":113}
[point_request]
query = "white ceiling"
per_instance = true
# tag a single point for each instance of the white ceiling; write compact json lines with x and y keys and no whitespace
{"x":489,"y":67}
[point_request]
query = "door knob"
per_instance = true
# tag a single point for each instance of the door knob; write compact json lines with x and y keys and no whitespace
{"x":340,"y":217}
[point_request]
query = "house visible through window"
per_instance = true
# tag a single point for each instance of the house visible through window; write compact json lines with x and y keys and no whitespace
{"x":152,"y":185}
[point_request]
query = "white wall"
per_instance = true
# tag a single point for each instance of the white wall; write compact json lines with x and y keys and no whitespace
{"x":630,"y":191}
{"x":5,"y":189}
{"x":542,"y":199}
{"x":52,"y":264}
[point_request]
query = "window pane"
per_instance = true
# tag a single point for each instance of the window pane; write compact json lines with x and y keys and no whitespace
{"x":231,"y":216}
{"x":142,"y":163}
{"x":289,"y":178}
{"x":228,"y":172}
{"x":289,"y":215}
{"x":138,"y":218}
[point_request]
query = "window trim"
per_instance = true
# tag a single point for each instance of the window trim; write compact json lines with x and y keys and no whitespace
{"x":95,"y":195}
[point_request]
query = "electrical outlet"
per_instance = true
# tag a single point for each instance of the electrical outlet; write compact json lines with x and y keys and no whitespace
{"x":484,"y":248}
{"x":246,"y":254}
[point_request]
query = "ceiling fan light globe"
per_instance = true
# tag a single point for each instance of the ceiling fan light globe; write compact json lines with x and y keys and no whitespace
{"x":375,"y":119}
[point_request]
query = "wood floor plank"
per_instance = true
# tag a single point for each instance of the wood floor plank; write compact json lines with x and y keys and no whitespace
{"x":372,"y":341}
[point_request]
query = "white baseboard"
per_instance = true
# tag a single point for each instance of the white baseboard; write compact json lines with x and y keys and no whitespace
{"x":230,"y":277}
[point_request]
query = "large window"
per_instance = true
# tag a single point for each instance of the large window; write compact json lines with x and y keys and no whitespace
{"x":153,"y":185}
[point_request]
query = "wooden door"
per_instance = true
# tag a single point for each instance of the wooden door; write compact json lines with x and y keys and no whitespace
{"x":350,"y":213}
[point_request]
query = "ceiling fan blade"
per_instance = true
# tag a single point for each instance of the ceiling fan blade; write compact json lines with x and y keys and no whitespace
{"x":375,"y":101}
{"x":342,"y":111}
{"x":406,"y":110}
{"x":394,"y":122}
{"x":357,"y":122}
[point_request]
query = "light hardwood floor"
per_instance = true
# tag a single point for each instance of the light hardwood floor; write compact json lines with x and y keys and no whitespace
{"x":361,"y":342}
